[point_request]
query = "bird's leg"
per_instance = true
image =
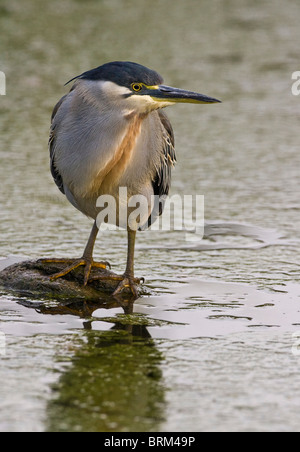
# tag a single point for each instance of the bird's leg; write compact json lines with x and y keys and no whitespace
{"x":87,"y":260}
{"x":128,"y":279}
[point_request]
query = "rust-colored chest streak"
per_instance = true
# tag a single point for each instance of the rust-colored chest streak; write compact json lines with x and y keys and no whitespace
{"x":117,"y":166}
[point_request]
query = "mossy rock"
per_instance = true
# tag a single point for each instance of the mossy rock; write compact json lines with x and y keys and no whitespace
{"x":32,"y":278}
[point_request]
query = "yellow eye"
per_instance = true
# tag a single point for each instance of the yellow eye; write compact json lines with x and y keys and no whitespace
{"x":136,"y":87}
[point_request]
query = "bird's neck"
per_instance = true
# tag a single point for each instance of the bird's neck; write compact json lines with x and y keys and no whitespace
{"x":111,"y":175}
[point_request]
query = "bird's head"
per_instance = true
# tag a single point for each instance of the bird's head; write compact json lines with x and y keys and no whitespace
{"x":138,"y":89}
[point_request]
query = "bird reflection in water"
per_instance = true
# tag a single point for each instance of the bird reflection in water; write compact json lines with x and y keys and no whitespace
{"x":113,"y":382}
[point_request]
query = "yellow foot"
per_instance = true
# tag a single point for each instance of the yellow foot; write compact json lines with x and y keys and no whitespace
{"x":72,"y":264}
{"x":125,"y":282}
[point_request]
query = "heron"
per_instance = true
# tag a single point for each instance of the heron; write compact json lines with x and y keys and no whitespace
{"x":110,"y":131}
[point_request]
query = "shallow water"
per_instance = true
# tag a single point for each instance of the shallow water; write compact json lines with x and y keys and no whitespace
{"x":215,"y":345}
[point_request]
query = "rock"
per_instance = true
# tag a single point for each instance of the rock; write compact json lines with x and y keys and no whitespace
{"x":32,"y":278}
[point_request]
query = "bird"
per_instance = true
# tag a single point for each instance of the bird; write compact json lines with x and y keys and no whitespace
{"x":111,"y":131}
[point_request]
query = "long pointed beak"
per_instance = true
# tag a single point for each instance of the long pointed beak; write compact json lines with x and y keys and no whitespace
{"x":165,"y":93}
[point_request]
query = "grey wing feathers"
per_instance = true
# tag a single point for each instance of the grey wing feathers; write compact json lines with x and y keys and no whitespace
{"x":52,"y":138}
{"x":162,"y":182}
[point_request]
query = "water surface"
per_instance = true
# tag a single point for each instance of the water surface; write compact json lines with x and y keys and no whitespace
{"x":214,"y":347}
